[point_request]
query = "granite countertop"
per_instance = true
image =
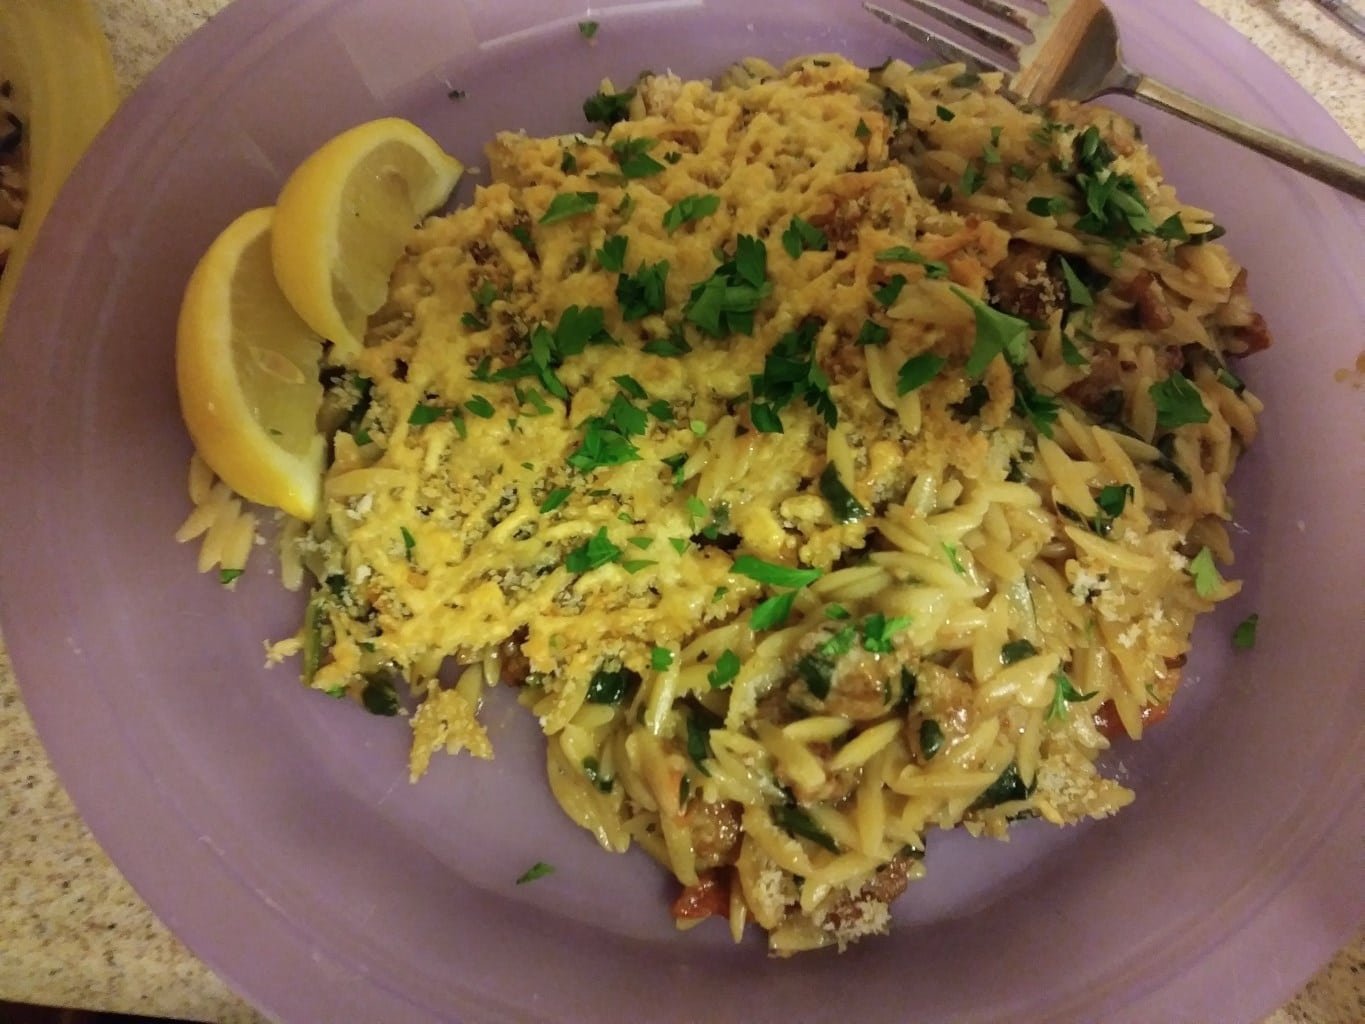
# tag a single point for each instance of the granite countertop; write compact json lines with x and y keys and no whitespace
{"x":72,"y":931}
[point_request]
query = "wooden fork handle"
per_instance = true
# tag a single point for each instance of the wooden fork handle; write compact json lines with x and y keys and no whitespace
{"x":1341,"y":174}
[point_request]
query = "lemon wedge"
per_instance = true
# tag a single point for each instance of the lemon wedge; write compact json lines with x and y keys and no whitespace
{"x":343,"y":217}
{"x":247,"y":373}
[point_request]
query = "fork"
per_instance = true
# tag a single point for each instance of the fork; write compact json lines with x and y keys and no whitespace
{"x":1074,"y":54}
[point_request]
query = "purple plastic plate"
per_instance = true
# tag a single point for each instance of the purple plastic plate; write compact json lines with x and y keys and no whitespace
{"x":275,"y":831}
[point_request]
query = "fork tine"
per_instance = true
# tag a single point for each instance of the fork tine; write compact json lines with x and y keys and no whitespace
{"x":983,"y":32}
{"x":945,"y":48}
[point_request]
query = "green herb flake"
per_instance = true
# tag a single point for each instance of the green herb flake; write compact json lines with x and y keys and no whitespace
{"x":934,"y":269}
{"x":1016,"y":650}
{"x":797,"y":822}
{"x":660,"y":659}
{"x":888,"y":293}
{"x":608,"y":108}
{"x":955,"y":560}
{"x":944,"y":114}
{"x":1037,"y":407}
{"x":1177,"y":402}
{"x":603,"y":445}
{"x":678,"y":544}
{"x":634,"y":565}
{"x":837,"y":612}
{"x":1244,"y":636}
{"x":1071,"y":355}
{"x":773,"y":612}
{"x":774,"y":575}
{"x":1047,"y":206}
{"x":846,"y":507}
{"x":631,"y":386}
{"x":1076,"y":289}
{"x":918,"y":371}
{"x":587,"y":29}
{"x":537,"y":870}
{"x":226,"y":576}
{"x":379,"y":697}
{"x":422,"y":414}
{"x":568,"y":163}
{"x":1204,"y":572}
{"x":698,"y":743}
{"x":633,"y":157}
{"x":725,"y":303}
{"x":803,"y":236}
{"x":555,"y":498}
{"x":726,"y":669}
{"x":593,"y":770}
{"x":972,"y":180}
{"x":1172,"y":229}
{"x":569,"y":204}
{"x":930,"y":738}
{"x":642,"y":293}
{"x":862,"y":131}
{"x":1063,"y":694}
{"x":873,"y":333}
{"x":1111,"y":501}
{"x":480,"y":407}
{"x":878,"y":630}
{"x":688,"y":209}
{"x":592,"y":554}
{"x":997,"y":333}
{"x":791,"y":370}
{"x":610,"y":686}
{"x":612,"y":256}
{"x":409,"y":542}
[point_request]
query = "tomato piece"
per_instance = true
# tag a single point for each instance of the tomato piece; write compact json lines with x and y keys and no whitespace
{"x":710,"y":897}
{"x":1107,"y":719}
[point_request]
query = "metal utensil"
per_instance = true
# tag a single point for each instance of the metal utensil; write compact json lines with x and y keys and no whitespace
{"x":1074,"y":54}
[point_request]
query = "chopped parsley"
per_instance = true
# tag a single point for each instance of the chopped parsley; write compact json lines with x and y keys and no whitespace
{"x":1177,"y":402}
{"x":772,"y":612}
{"x":726,"y":301}
{"x":698,"y":742}
{"x":1111,"y":502}
{"x":888,"y":293}
{"x":1064,"y":694}
{"x":537,"y":870}
{"x":774,"y":575}
{"x":972,"y":180}
{"x":1016,"y":650}
{"x":569,"y":204}
{"x":674,"y":345}
{"x":612,"y":256}
{"x":877,"y":631}
{"x":1204,"y":572}
{"x":797,"y":822}
{"x":791,"y":370}
{"x":930,"y":738}
{"x":642,"y":293}
{"x":690,"y":208}
{"x":608,"y":108}
{"x":409,"y":542}
{"x":480,"y":407}
{"x":379,"y":697}
{"x":226,"y":576}
{"x":904,"y":254}
{"x":1037,"y":407}
{"x":1077,"y":292}
{"x":862,"y":131}
{"x":726,"y":669}
{"x":422,"y":414}
{"x":803,"y":236}
{"x":1047,"y":206}
{"x":918,"y":371}
{"x":587,"y":29}
{"x":837,"y":612}
{"x":1007,"y":787}
{"x":944,"y":114}
{"x":997,"y":333}
{"x":610,"y":686}
{"x":660,"y":658}
{"x":1172,"y":229}
{"x":1071,"y":355}
{"x":873,"y":333}
{"x":633,"y":157}
{"x":955,"y":560}
{"x":592,"y":554}
{"x":846,"y":507}
{"x":555,"y":498}
{"x":1244,"y":636}
{"x":603,"y":445}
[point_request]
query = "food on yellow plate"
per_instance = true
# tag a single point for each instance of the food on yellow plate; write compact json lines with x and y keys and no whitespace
{"x":343,"y":216}
{"x":247,"y":373}
{"x":824,"y":455}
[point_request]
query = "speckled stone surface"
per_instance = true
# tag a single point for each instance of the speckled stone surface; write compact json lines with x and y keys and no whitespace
{"x":73,"y":932}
